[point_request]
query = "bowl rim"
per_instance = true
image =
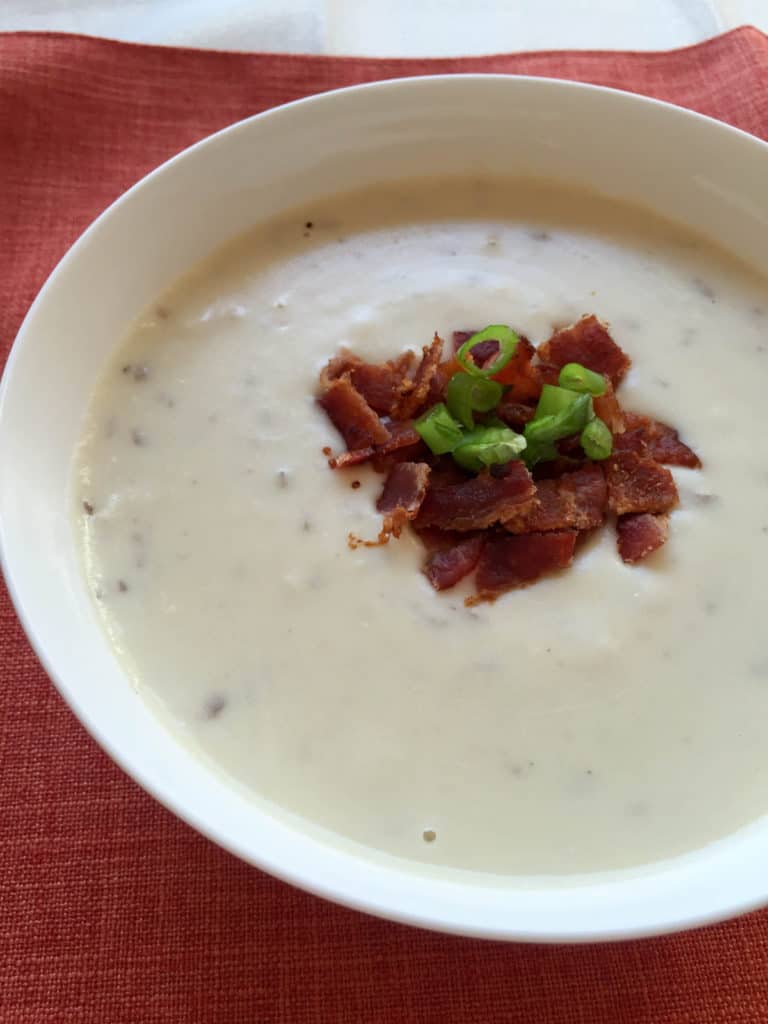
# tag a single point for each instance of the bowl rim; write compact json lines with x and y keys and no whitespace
{"x":304,"y":878}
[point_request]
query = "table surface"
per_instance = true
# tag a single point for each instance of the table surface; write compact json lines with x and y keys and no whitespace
{"x":113,"y":911}
{"x":395,"y":28}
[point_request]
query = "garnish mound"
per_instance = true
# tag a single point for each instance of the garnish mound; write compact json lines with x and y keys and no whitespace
{"x":501,"y":456}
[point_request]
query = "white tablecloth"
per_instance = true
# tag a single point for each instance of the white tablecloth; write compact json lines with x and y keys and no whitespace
{"x":392,"y":27}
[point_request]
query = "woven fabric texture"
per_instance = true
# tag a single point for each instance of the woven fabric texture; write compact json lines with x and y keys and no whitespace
{"x":111,"y":910}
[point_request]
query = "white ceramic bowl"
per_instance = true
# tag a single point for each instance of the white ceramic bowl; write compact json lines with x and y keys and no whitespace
{"x":695,"y":170}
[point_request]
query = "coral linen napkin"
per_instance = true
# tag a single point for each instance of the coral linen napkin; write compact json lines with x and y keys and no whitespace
{"x":111,"y":910}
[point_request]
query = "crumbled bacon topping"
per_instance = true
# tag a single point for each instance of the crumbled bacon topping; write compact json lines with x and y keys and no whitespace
{"x":589,"y":343}
{"x":414,"y":393}
{"x":646,"y":435}
{"x":399,"y":502}
{"x":507,"y":526}
{"x":573,"y":501}
{"x":508,"y":562}
{"x":447,"y":566}
{"x":637,"y":483}
{"x":477,"y":502}
{"x":404,"y":489}
{"x":640,"y":534}
{"x":352,"y":416}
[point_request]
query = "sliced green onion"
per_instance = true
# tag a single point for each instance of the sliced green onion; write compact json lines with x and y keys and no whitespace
{"x":579,"y":378}
{"x":488,"y":446}
{"x":466,"y":392}
{"x":539,"y":451}
{"x":569,"y":420}
{"x":560,"y":413}
{"x":438,"y":429}
{"x":597,"y":440}
{"x":507,"y":341}
{"x":553,"y":400}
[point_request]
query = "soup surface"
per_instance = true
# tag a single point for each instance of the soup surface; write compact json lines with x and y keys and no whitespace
{"x":604,"y":718}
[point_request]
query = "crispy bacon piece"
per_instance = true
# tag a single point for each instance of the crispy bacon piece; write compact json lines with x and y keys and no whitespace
{"x":507,"y":562}
{"x":515,"y":414}
{"x":404,"y":488}
{"x":631,"y":441}
{"x":403,"y":443}
{"x":403,"y":436}
{"x":662,"y":442}
{"x":570,"y":447}
{"x":446,"y":566}
{"x":521,"y":374}
{"x":589,"y":343}
{"x":638,"y":535}
{"x":556,"y":468}
{"x":637,"y":483}
{"x":574,"y":501}
{"x":414,"y":392}
{"x":446,"y":472}
{"x":609,"y":411}
{"x":403,"y":493}
{"x":337,"y":366}
{"x":380,"y":384}
{"x":349,"y":412}
{"x":478,"y":502}
{"x":345,"y":460}
{"x":439,"y":383}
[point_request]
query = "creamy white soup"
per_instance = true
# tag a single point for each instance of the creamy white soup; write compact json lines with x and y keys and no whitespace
{"x":605,"y":717}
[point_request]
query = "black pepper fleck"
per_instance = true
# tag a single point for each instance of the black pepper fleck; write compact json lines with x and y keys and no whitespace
{"x":704,"y":289}
{"x":138,"y":438}
{"x":355,"y":484}
{"x":214,"y":705}
{"x":122,"y":586}
{"x":429,"y":835}
{"x":88,"y":508}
